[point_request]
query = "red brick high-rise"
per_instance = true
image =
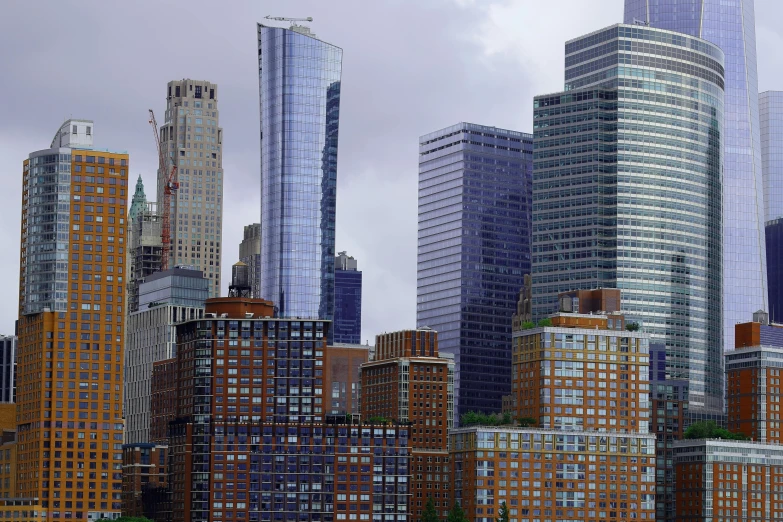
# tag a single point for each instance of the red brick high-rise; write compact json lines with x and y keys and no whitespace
{"x":408,"y":381}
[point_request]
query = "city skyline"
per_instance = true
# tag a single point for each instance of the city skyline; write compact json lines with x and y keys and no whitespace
{"x":377,"y":165}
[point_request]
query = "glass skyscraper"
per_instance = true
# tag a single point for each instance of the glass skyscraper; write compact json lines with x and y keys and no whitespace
{"x":731,"y":26}
{"x":771,"y":119}
{"x":299,"y":89}
{"x":347,"y":324}
{"x":474,"y":249}
{"x":627,"y":191}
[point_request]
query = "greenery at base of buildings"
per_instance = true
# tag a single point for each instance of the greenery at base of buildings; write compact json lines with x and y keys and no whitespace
{"x":710,"y":430}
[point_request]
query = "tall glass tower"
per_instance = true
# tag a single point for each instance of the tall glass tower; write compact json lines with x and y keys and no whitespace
{"x":474,"y":250}
{"x":299,"y":89}
{"x":730,"y":26}
{"x":771,"y":118}
{"x":627,"y":191}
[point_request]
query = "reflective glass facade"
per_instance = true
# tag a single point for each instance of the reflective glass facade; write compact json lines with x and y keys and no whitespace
{"x":473,"y":251}
{"x":176,"y":286}
{"x":774,"y":235}
{"x":299,"y":88}
{"x":347,"y":304}
{"x":731,"y":26}
{"x":627,"y":191}
{"x":771,"y":118}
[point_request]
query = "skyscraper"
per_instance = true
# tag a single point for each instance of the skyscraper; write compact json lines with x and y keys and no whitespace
{"x":627,"y":191}
{"x":250,"y":254}
{"x":347,"y":300}
{"x":193,"y":139}
{"x":730,"y":26}
{"x":145,"y":244}
{"x":474,"y":249}
{"x":771,"y":118}
{"x":165,"y":299}
{"x":71,"y":326}
{"x":299,"y":86}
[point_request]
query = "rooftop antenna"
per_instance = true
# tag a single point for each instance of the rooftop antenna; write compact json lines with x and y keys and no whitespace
{"x":292,"y":20}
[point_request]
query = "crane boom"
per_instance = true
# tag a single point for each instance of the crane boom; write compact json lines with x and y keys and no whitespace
{"x":171,"y":186}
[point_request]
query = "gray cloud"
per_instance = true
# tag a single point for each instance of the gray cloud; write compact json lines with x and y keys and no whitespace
{"x":409,"y":67}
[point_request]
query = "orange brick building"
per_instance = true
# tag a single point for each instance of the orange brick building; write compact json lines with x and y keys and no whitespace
{"x":545,"y":474}
{"x":71,"y":327}
{"x":581,"y":374}
{"x":753,"y":381}
{"x":408,"y":381}
{"x":726,"y":480}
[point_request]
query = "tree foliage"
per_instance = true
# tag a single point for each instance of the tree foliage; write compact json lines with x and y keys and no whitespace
{"x":456,"y":514}
{"x":527,"y":325}
{"x":527,"y":422}
{"x":132,"y":519}
{"x":545,"y":322}
{"x":710,"y":430}
{"x":430,"y":515}
{"x":473,"y":418}
{"x":632,"y":327}
{"x":503,"y":513}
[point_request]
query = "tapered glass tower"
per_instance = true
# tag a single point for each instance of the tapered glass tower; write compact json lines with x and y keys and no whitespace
{"x":299,"y":89}
{"x":730,"y":26}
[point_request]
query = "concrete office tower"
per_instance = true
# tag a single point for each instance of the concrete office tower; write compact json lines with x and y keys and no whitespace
{"x":193,"y":139}
{"x":474,"y":249}
{"x":145,"y":245}
{"x":165,"y":299}
{"x":250,"y":254}
{"x":627,"y":192}
{"x":7,"y":368}
{"x":732,"y":27}
{"x":299,"y":86}
{"x":347,"y":300}
{"x":71,"y":326}
{"x":410,"y":382}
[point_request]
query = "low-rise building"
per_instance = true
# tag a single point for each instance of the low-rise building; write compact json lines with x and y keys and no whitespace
{"x":728,"y":480}
{"x":144,"y":481}
{"x":552,"y":474}
{"x":753,"y":380}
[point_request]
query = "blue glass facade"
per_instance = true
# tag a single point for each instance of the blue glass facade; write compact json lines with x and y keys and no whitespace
{"x":627,"y":191}
{"x":473,"y":251}
{"x":299,"y":89}
{"x":731,"y":26}
{"x":347,"y":306}
{"x":771,"y":118}
{"x":774,"y":234}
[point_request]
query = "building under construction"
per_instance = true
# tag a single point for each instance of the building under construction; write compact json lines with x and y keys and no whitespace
{"x":145,"y":249}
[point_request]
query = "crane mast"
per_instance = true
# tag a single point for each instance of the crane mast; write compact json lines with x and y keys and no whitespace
{"x":170,"y":188}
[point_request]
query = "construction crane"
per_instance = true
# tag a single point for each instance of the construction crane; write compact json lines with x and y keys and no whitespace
{"x":170,"y":188}
{"x":292,"y":20}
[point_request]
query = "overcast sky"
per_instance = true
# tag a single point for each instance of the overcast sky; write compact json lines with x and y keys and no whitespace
{"x":409,"y":67}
